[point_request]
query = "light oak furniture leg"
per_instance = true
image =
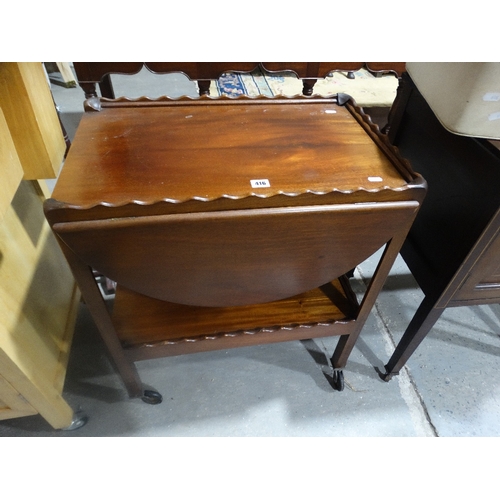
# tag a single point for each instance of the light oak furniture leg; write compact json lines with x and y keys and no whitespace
{"x":38,"y":296}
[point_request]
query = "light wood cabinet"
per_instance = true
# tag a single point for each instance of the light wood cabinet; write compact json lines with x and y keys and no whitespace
{"x":10,"y":166}
{"x":38,"y":296}
{"x":30,"y":113}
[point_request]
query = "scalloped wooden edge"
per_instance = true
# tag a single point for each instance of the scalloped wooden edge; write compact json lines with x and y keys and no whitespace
{"x":391,"y":151}
{"x":53,"y":204}
{"x":98,"y":103}
{"x":401,"y":164}
{"x":238,"y":333}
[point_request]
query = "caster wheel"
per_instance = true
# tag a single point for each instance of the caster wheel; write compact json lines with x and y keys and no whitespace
{"x":80,"y":418}
{"x":152,"y":397}
{"x":338,"y":380}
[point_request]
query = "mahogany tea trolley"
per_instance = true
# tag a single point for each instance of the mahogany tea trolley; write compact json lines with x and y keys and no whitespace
{"x":229,"y":222}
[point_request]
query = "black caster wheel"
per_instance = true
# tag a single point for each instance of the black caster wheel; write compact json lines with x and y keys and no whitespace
{"x":152,"y":397}
{"x":338,"y":380}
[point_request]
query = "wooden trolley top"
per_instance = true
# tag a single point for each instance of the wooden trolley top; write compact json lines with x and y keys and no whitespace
{"x":149,"y":152}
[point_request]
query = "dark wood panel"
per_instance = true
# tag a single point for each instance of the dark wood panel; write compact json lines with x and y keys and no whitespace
{"x":387,"y":67}
{"x":91,"y":73}
{"x":312,"y":69}
{"x":94,"y":71}
{"x":235,"y":257}
{"x":483,"y":279}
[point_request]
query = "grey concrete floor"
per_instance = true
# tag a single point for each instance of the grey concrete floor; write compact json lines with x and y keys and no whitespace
{"x":450,"y":387}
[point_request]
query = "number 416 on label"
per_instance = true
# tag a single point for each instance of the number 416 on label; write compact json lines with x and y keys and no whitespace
{"x":260,"y":183}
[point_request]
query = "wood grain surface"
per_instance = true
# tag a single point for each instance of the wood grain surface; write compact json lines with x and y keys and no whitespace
{"x":195,"y":151}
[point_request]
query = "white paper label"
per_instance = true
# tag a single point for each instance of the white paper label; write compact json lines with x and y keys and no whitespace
{"x":491,"y":96}
{"x":260,"y":183}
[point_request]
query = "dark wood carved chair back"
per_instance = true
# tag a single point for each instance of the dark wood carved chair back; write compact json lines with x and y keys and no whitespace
{"x":90,"y":74}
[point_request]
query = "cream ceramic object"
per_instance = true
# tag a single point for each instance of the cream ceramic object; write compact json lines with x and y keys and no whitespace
{"x":465,"y":97}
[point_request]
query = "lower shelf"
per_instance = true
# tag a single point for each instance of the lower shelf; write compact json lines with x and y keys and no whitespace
{"x":150,"y":328}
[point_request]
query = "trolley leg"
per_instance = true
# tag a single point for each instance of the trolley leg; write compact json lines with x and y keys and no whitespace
{"x":85,"y":279}
{"x":423,"y":320}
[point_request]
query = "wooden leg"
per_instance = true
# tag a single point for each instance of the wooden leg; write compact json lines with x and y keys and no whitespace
{"x":423,"y":320}
{"x":204,"y":87}
{"x":84,"y":276}
{"x":346,"y":342}
{"x":398,"y":108}
{"x":65,"y":134}
{"x":106,"y":87}
{"x":66,"y":74}
{"x":308,"y":86}
{"x":89,"y":89}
